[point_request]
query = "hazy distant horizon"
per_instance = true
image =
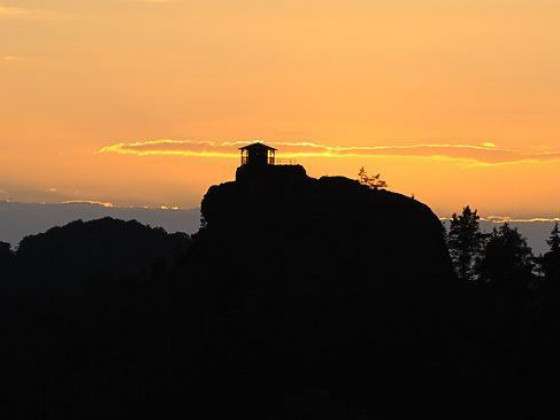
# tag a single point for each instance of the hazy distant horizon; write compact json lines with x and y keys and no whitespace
{"x":19,"y":219}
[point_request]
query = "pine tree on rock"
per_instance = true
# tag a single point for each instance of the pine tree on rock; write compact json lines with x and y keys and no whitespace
{"x":374,"y":182}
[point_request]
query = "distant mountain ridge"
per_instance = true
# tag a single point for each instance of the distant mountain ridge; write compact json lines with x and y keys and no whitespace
{"x":18,"y":220}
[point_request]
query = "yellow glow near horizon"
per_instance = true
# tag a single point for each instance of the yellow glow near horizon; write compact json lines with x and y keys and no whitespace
{"x":485,"y":155}
{"x":455,"y":102}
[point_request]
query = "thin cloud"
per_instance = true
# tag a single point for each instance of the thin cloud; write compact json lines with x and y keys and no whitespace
{"x":153,"y":1}
{"x":485,"y":154}
{"x":499,"y":220}
{"x":507,"y":219}
{"x":11,"y":12}
{"x":11,"y":58}
{"x":21,"y":13}
{"x":105,"y":204}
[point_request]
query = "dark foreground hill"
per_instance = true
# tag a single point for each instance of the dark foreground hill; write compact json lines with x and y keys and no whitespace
{"x":300,"y":298}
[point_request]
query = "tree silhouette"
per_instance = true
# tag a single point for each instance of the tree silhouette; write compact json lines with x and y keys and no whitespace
{"x":550,"y":261}
{"x":374,"y":182}
{"x":465,"y":242}
{"x":507,"y":261}
{"x":4,"y":248}
{"x":6,"y":254}
{"x":554,"y":239}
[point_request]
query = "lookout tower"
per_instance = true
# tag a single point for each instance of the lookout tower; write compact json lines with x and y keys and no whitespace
{"x":257,"y":154}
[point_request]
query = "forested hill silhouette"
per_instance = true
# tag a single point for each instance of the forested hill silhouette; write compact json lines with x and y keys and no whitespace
{"x":73,"y":254}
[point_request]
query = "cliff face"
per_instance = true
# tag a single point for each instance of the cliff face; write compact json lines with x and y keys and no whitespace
{"x":313,"y":280}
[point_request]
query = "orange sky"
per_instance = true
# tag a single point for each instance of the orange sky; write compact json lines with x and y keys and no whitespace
{"x":455,"y":101}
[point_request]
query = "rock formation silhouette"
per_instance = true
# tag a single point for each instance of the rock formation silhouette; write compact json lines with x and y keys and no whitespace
{"x":320,"y":287}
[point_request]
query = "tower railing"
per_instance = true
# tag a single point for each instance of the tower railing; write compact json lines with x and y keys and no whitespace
{"x":272,"y":158}
{"x":286,"y":162}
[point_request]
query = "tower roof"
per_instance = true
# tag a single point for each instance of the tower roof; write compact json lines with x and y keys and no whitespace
{"x":257,"y":146}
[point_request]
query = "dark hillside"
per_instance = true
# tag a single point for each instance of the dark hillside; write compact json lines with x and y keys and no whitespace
{"x":80,"y":251}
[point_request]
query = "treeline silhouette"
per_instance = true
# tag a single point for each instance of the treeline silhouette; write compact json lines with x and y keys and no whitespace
{"x":299,"y":298}
{"x":512,"y":302}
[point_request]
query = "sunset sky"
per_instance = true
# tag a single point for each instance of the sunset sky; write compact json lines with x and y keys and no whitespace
{"x":145,"y":102}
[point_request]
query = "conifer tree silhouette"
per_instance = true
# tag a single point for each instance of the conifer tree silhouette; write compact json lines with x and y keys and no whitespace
{"x":507,"y":261}
{"x":550,"y":261}
{"x":465,"y":242}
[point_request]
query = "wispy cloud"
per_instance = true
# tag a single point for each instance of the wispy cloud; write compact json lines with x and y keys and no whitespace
{"x":498,"y":220}
{"x":105,"y":204}
{"x":16,"y":12}
{"x":153,"y":1}
{"x":486,"y":153}
{"x":507,"y":219}
{"x":11,"y":11}
{"x":10,"y":58}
